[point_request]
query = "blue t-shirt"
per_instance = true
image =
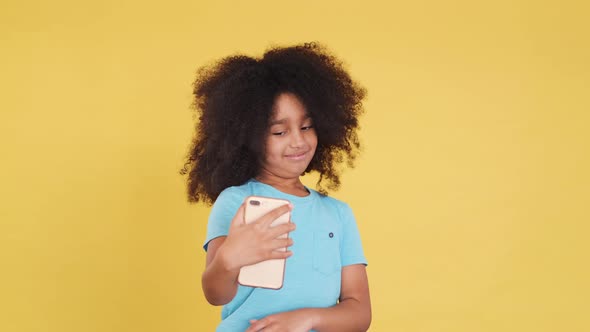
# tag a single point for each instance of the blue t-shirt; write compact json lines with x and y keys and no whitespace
{"x":326,"y":239}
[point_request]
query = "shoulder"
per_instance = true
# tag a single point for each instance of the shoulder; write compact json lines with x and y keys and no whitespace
{"x":325,"y":199}
{"x":234,"y":193}
{"x":340,"y":207}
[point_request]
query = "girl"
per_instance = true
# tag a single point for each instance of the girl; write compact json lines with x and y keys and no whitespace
{"x":263,"y":123}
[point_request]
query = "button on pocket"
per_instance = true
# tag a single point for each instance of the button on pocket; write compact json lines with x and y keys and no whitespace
{"x":326,"y":248}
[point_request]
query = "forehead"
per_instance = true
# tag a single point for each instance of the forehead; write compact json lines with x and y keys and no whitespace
{"x":288,"y":107}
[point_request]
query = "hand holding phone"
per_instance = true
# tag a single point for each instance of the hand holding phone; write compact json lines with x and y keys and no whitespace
{"x":267,"y":273}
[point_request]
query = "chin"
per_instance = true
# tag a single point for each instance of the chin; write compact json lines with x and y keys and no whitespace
{"x":292,"y":173}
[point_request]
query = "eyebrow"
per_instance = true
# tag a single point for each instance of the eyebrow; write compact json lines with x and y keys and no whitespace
{"x":282,"y":121}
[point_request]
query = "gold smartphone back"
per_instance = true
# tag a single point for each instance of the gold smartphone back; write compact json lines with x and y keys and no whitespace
{"x":269,"y":273}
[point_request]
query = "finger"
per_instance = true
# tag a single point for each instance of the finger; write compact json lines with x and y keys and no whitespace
{"x":251,"y":328}
{"x":276,"y":254}
{"x":257,"y":325}
{"x":239,"y":216}
{"x":280,"y":230}
{"x":271,"y":327}
{"x":281,"y":243}
{"x":274,"y":214}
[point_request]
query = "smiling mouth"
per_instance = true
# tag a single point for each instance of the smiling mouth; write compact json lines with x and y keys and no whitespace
{"x":296,"y":156}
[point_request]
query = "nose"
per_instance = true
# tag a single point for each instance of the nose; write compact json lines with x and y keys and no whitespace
{"x":297,"y":139}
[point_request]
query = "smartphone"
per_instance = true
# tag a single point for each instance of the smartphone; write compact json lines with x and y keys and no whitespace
{"x":269,"y":273}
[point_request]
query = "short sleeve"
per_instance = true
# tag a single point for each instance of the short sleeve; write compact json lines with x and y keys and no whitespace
{"x":351,"y":248}
{"x":224,"y":209}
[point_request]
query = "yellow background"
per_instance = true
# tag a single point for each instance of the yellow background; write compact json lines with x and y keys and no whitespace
{"x":471,"y":194}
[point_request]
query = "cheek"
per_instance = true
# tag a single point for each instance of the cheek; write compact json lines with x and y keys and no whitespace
{"x":313,"y":140}
{"x":272,"y":149}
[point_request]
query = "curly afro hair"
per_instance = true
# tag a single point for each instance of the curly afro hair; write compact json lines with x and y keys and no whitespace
{"x":234,"y":98}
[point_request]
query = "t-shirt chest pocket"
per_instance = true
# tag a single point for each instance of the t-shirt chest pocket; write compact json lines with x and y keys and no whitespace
{"x":326,"y":248}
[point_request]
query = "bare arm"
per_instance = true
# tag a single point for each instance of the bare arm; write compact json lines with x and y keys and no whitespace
{"x":352,"y":313}
{"x":219,"y":281}
{"x":245,"y":244}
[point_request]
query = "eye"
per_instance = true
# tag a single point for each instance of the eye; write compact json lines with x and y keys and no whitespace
{"x":306,"y":128}
{"x":280,"y":133}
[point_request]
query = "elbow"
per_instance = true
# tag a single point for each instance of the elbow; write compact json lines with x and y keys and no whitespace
{"x":366,"y":318}
{"x":365,"y":322}
{"x":215,"y":300}
{"x":216,"y":296}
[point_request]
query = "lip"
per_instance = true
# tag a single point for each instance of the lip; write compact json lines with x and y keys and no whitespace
{"x":297,"y":156}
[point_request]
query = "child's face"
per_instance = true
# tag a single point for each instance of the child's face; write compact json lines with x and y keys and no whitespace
{"x":291,"y":140}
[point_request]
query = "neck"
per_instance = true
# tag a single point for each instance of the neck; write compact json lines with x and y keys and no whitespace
{"x":292,"y":186}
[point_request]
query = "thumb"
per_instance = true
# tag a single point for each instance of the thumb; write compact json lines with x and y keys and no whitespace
{"x":238,"y":217}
